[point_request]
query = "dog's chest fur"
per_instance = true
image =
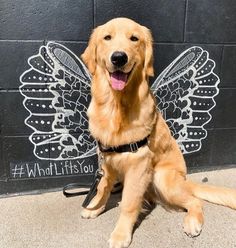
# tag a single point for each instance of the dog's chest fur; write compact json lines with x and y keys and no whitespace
{"x":121,"y":119}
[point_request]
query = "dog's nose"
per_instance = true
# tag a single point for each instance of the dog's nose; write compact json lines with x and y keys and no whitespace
{"x":119,"y":58}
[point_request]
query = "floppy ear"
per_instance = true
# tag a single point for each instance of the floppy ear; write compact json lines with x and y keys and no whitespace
{"x":148,"y":63}
{"x":89,"y":55}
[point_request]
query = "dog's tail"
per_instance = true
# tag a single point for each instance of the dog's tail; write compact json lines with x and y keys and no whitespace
{"x":217,"y":195}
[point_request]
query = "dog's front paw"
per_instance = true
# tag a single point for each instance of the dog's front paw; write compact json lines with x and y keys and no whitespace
{"x":192,"y":226}
{"x":91,"y":214}
{"x":119,"y":240}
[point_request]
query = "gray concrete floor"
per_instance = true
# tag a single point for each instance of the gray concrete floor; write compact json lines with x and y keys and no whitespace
{"x":51,"y":220}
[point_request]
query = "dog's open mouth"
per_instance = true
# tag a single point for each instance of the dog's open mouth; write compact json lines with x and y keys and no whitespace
{"x":119,"y":80}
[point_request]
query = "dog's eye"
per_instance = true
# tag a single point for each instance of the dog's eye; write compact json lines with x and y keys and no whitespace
{"x":134,"y":38}
{"x":107,"y":37}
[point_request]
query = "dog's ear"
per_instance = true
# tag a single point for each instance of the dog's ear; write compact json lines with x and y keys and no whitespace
{"x":89,"y":55}
{"x":148,"y":63}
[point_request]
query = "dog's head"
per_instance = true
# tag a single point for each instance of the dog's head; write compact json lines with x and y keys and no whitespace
{"x":119,"y":48}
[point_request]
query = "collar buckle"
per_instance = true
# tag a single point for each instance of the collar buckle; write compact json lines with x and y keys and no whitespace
{"x":134,"y":147}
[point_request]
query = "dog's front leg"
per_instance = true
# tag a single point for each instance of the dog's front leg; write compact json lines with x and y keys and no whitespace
{"x":98,"y":203}
{"x":135,"y":186}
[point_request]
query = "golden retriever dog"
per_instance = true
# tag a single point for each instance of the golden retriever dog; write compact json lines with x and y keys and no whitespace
{"x":123,"y":111}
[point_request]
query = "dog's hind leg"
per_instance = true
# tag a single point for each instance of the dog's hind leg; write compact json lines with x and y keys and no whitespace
{"x":175,"y":191}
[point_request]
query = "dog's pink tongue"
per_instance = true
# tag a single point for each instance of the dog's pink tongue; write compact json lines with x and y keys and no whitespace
{"x":118,"y":80}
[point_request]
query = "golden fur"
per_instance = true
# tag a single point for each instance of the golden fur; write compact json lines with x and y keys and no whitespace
{"x":156,"y":170}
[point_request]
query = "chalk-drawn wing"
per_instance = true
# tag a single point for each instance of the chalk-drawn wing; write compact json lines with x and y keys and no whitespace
{"x":57,"y":93}
{"x":185,"y":92}
{"x":56,"y":89}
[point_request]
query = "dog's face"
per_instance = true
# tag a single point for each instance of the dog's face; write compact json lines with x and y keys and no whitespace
{"x":120,"y":48}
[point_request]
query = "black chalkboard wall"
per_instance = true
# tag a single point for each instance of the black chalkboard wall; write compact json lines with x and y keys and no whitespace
{"x":27,"y":25}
